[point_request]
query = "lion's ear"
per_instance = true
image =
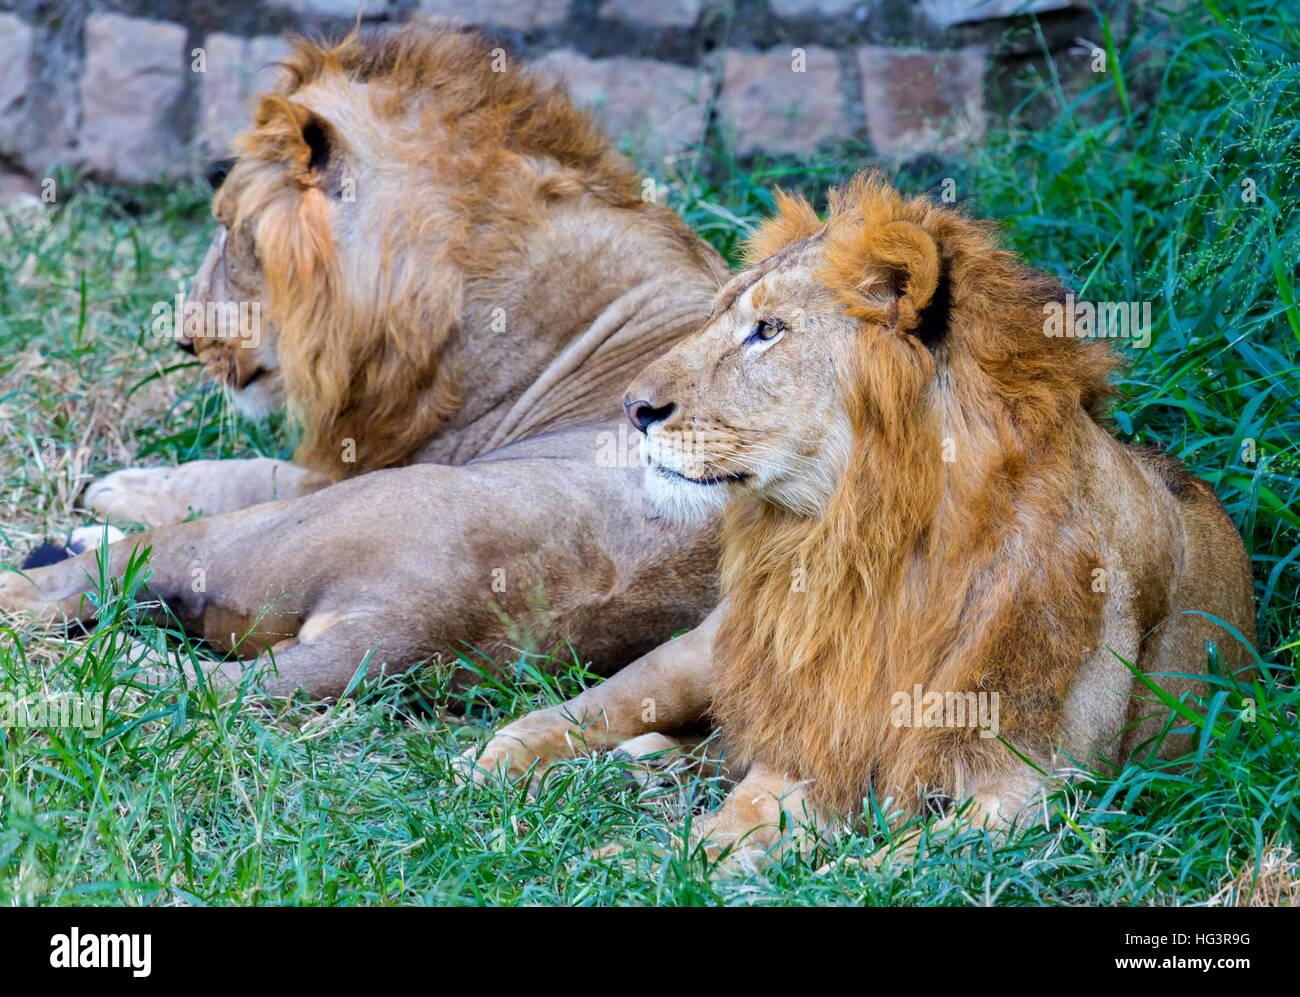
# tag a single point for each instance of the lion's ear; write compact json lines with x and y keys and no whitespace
{"x":896,"y":270}
{"x":906,"y":257}
{"x":315,"y":148}
{"x":318,"y":137}
{"x":290,"y":131}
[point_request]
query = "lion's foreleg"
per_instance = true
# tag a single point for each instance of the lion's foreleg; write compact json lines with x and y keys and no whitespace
{"x":662,"y":691}
{"x":159,"y":496}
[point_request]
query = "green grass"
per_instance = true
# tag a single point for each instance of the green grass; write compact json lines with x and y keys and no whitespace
{"x":1134,"y":193}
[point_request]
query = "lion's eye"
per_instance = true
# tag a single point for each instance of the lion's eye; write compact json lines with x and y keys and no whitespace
{"x":767,"y":330}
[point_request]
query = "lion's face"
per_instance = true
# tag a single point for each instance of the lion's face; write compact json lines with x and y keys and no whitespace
{"x":228,"y":325}
{"x":751,"y":403}
{"x":289,"y":232}
{"x":307,"y":256}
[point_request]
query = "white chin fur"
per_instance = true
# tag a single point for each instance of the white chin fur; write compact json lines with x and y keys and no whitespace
{"x":682,"y":502}
{"x":258,"y":400}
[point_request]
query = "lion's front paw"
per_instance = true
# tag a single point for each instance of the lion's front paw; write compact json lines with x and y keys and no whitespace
{"x":540,"y":739}
{"x":709,"y":836}
{"x":139,"y":495}
{"x":722,"y":847}
{"x":729,"y":848}
{"x":714,"y":835}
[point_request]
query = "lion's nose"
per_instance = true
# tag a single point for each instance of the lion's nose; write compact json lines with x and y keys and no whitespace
{"x":644,"y":414}
{"x":187,"y":345}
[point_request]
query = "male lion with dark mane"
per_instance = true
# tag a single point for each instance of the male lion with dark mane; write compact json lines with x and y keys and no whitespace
{"x":455,"y":273}
{"x":920,"y":498}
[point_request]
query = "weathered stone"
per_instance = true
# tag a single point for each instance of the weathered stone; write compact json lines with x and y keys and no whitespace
{"x":15,"y":62}
{"x":525,"y":15}
{"x":117,"y":97}
{"x":660,"y":13}
{"x":656,"y":106}
{"x":921,"y":101}
{"x":946,"y":13}
{"x":40,"y":102}
{"x":134,"y":76}
{"x":15,"y":81}
{"x":783,"y":100}
{"x":235,"y":69}
{"x":815,"y":8}
{"x":348,"y":9}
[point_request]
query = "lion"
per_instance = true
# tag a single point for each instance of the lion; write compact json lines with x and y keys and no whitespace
{"x":456,"y":277}
{"x":403,"y":217}
{"x":924,"y":512}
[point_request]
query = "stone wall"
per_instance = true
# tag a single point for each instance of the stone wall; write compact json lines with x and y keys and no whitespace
{"x":141,"y":90}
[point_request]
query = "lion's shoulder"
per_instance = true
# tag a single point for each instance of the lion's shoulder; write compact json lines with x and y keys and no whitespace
{"x":1169,"y":470}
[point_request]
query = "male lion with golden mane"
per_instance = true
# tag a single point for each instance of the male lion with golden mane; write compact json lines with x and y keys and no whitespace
{"x":455,"y":273}
{"x":919,"y":499}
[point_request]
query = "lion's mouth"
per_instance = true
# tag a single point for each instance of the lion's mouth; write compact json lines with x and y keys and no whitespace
{"x":710,"y":480}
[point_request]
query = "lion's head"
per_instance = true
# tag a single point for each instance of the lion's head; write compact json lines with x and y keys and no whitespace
{"x":381,"y":178}
{"x":839,"y":342}
{"x":875,"y":403}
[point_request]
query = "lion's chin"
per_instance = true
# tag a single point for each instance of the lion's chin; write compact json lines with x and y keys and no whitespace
{"x":259,"y":399}
{"x":682,"y":501}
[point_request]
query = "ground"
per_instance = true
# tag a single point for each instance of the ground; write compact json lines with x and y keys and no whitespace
{"x":1173,"y":181}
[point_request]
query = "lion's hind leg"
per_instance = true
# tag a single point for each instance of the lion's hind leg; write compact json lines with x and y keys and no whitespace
{"x":55,"y":582}
{"x":329,"y":651}
{"x":20,"y":593}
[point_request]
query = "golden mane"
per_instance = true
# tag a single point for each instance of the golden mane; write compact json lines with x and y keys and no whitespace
{"x":453,"y":71}
{"x":948,"y":572}
{"x":481,"y":153}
